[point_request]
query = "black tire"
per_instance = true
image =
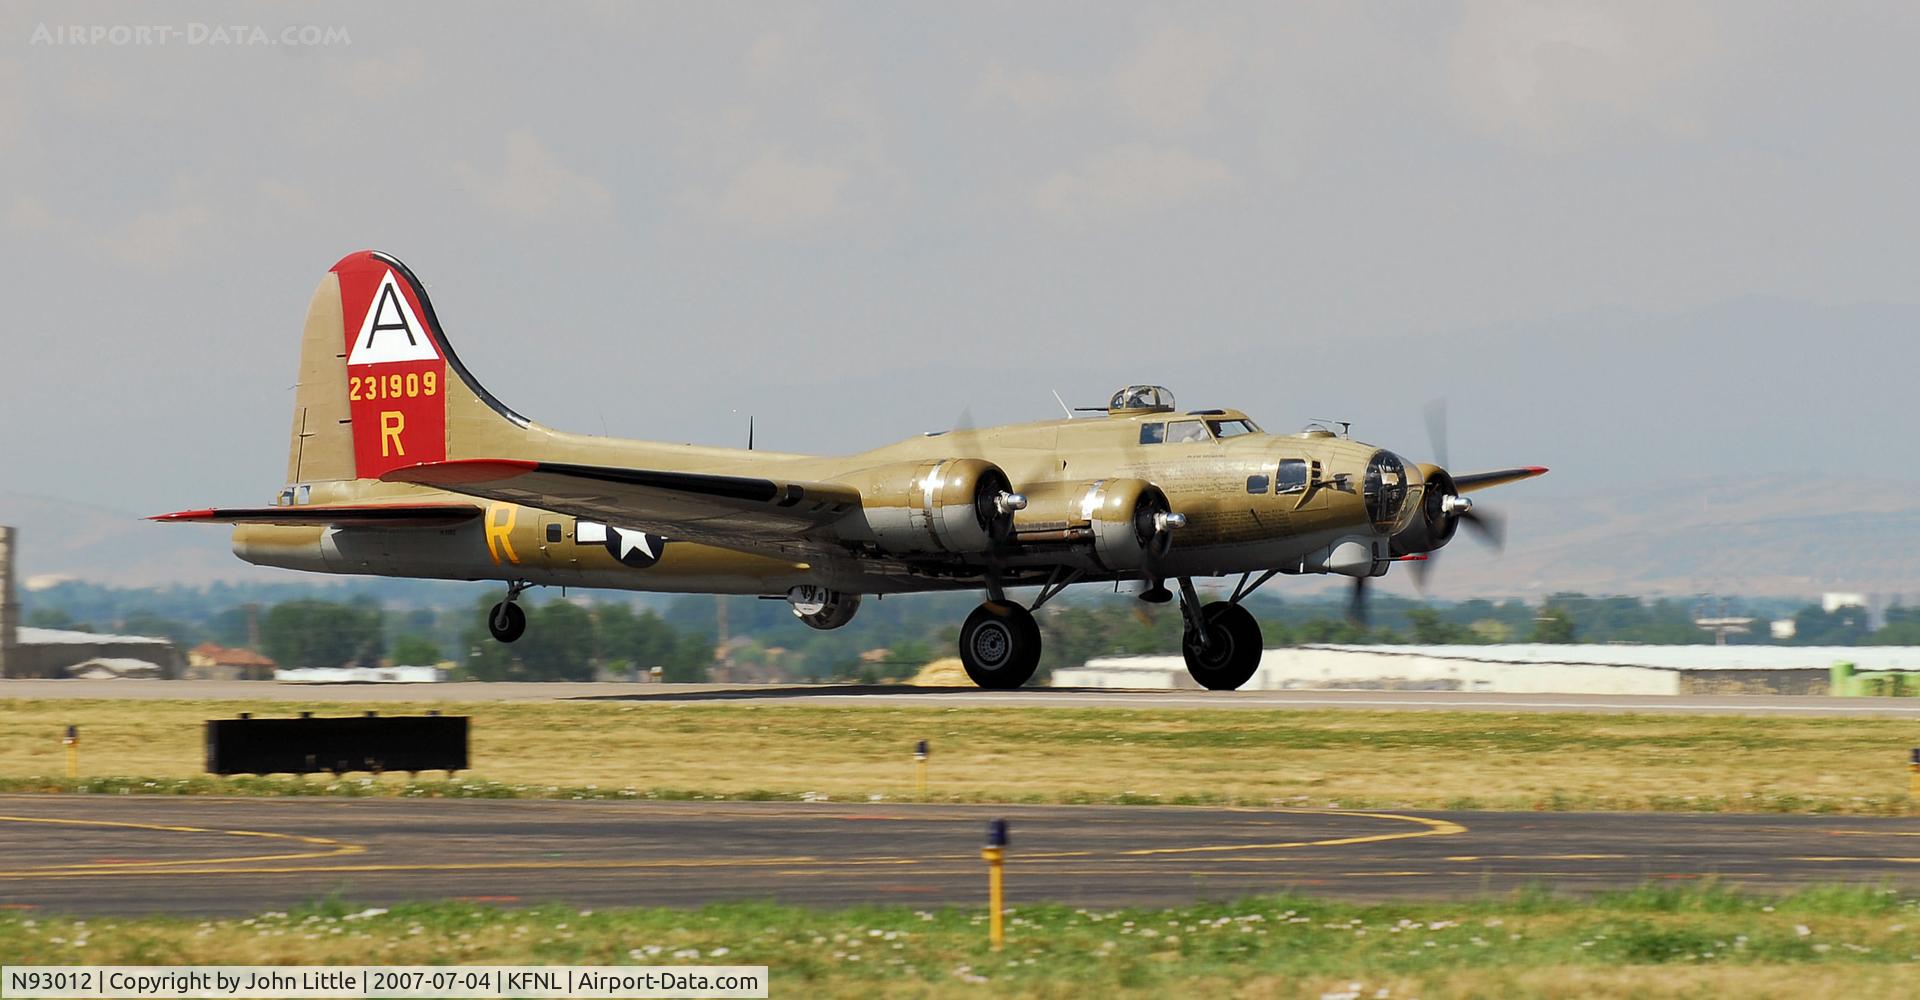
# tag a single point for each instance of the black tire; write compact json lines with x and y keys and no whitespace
{"x":1233,"y":649}
{"x":507,"y":621}
{"x":1000,"y":645}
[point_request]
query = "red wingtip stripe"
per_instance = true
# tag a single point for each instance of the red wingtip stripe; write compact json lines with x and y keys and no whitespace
{"x":184,"y":515}
{"x":461,"y":470}
{"x":1538,"y":470}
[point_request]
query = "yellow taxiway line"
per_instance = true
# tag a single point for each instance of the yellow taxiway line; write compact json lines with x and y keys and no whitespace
{"x":253,"y":864}
{"x":334,"y":849}
{"x":1433,"y":828}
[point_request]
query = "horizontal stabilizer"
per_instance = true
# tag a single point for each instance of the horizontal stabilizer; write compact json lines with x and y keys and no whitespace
{"x":421,"y":515}
{"x":1486,"y":480}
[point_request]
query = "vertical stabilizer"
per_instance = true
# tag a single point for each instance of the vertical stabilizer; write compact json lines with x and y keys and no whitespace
{"x":380,"y":389}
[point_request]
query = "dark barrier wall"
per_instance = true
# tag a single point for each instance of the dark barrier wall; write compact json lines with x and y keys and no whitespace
{"x":356,"y":743}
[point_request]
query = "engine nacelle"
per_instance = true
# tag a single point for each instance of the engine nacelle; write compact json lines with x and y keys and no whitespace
{"x":1129,"y":517}
{"x":961,"y":505}
{"x":1123,"y":519}
{"x":822,"y":608}
{"x":1434,"y":526}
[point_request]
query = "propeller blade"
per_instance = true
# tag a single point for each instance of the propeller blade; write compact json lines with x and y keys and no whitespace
{"x":1489,"y":527}
{"x":1420,"y":568}
{"x":1357,"y":602}
{"x":961,"y":436}
{"x":1437,"y":430}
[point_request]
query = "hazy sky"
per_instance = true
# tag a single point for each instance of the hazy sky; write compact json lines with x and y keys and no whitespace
{"x":1633,"y":241}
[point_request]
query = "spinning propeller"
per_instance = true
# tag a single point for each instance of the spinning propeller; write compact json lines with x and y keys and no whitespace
{"x":1446,"y":510}
{"x":1488,"y":528}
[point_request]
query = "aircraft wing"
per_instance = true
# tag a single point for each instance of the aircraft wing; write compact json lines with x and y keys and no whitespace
{"x":1487,"y":480}
{"x":396,"y":515}
{"x":740,"y":512}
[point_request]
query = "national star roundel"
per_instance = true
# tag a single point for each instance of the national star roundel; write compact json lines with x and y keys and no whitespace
{"x":633,"y":548}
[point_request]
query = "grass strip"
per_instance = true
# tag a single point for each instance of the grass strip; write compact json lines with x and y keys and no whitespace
{"x":1652,"y":941}
{"x":1322,"y":758}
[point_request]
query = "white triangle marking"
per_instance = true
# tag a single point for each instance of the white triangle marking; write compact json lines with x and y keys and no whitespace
{"x":391,"y":332}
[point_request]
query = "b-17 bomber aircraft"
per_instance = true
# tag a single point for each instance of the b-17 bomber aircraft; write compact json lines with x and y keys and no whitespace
{"x":402,"y":464}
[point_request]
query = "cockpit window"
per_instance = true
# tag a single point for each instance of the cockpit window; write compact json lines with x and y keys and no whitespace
{"x":1186,"y":432}
{"x":1153,"y":433}
{"x":1292,"y":477}
{"x":1231,"y":428}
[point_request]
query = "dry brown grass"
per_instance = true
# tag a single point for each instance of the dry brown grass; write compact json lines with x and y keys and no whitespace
{"x":1352,"y":758}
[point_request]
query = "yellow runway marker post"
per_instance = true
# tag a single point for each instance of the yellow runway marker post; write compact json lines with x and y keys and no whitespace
{"x":995,"y":854}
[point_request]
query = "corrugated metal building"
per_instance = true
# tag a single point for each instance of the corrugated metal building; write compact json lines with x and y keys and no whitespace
{"x":47,"y":652}
{"x":1520,"y":668}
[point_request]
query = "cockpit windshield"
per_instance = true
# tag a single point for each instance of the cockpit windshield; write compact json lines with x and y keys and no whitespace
{"x":1231,"y":428}
{"x":1187,"y":432}
{"x":1194,"y":430}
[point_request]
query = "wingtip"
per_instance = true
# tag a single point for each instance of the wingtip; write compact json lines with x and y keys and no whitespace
{"x":183,"y":515}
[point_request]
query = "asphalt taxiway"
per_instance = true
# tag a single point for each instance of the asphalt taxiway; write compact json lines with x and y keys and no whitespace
{"x":137,"y":854}
{"x":849,"y":695}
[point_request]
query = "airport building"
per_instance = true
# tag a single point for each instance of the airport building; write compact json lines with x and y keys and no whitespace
{"x":48,"y":652}
{"x":1520,"y":668}
{"x":213,"y":662}
{"x":45,"y":652}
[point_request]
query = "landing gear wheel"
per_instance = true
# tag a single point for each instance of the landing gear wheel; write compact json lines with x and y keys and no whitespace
{"x":1000,"y":645}
{"x":1232,"y":651}
{"x":507,"y":621}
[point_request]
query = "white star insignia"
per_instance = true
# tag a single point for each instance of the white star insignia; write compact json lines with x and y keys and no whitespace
{"x":631,"y":540}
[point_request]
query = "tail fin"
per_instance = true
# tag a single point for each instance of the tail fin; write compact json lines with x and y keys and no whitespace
{"x":380,"y":388}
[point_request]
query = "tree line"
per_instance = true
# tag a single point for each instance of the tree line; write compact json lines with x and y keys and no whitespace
{"x":890,"y":639}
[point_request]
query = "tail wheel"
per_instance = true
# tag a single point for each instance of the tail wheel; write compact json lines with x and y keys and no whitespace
{"x":1000,"y":645}
{"x":507,"y":621}
{"x":1232,"y":651}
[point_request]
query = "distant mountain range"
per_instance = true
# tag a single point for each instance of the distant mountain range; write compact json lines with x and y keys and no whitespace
{"x":1751,"y":536}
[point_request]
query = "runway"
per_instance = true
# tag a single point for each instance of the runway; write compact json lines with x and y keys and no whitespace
{"x":848,"y":695}
{"x":132,"y":855}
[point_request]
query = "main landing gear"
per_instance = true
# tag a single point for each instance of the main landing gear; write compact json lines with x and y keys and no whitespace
{"x":1000,"y":645}
{"x":1000,"y":642}
{"x":1222,"y":643}
{"x":508,"y":620}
